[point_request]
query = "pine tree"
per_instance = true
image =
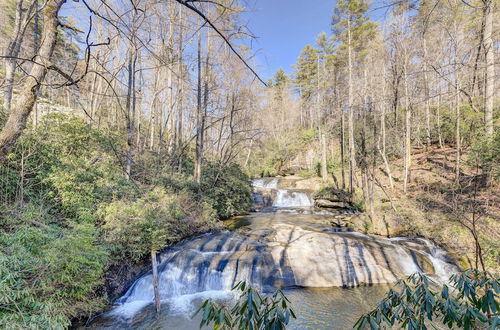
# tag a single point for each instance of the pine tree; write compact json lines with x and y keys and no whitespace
{"x":352,"y":28}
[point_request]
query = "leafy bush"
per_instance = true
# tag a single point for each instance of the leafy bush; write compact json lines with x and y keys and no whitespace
{"x":69,"y":163}
{"x":486,"y":154}
{"x":471,"y":125}
{"x":471,"y":303}
{"x":331,"y":193}
{"x":68,"y":213}
{"x":149,"y":223}
{"x":227,"y":189}
{"x":48,"y":274}
{"x":251,"y":311}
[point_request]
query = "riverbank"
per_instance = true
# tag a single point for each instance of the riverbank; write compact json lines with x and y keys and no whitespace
{"x":435,"y":206}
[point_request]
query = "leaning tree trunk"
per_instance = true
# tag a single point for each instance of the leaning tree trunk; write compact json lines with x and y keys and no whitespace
{"x":489,"y":79}
{"x":21,"y":22}
{"x":382,"y":150}
{"x":16,"y":122}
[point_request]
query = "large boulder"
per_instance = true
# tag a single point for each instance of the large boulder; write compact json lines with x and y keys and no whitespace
{"x":325,"y":203}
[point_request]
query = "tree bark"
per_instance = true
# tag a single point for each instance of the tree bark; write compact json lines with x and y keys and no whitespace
{"x":21,"y":22}
{"x":457,"y":126}
{"x":457,"y":102}
{"x":324,"y":169}
{"x":180,"y":88}
{"x":407,"y":140}
{"x":199,"y":119}
{"x":382,"y":151}
{"x":438,"y":115}
{"x":16,"y":122}
{"x":130,"y":110}
{"x":350,"y":120}
{"x":427,"y":96}
{"x":156,"y":286}
{"x":490,"y":67}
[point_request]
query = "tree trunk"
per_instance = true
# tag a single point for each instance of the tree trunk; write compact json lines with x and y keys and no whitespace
{"x":130,"y":110}
{"x":156,"y":287}
{"x":438,"y":115}
{"x":427,"y":96}
{"x":457,"y":131}
{"x":199,"y":119}
{"x":457,"y":103}
{"x":342,"y":146}
{"x":383,"y":135}
{"x":350,"y":120}
{"x":490,"y":67}
{"x":16,"y":122}
{"x":180,"y":88}
{"x":324,"y":169}
{"x":407,"y":141}
{"x":20,"y":24}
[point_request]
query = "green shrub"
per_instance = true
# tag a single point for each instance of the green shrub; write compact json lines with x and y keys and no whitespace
{"x":331,"y":193}
{"x":136,"y":227}
{"x":251,"y":311}
{"x":471,"y":303}
{"x":227,"y":189}
{"x":471,"y":125}
{"x":70,"y":164}
{"x":48,"y":274}
{"x":486,"y":154}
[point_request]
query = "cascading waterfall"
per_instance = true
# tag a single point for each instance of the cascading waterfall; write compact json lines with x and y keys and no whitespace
{"x":287,"y":198}
{"x":210,"y":265}
{"x":279,"y":251}
{"x":268,"y":183}
{"x":442,"y":263}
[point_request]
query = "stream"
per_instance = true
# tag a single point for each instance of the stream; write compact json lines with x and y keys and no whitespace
{"x":331,"y":274}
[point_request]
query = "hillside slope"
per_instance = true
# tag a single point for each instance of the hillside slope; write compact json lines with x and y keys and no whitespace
{"x":437,"y":207}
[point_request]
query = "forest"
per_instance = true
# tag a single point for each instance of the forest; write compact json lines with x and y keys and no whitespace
{"x":130,"y":129}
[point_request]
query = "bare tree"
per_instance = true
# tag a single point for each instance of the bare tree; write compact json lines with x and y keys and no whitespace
{"x":28,"y":95}
{"x":21,"y":22}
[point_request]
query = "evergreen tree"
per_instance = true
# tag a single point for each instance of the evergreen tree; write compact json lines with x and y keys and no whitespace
{"x":307,"y":72}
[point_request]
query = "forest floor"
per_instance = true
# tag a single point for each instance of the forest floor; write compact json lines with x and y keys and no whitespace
{"x":438,"y":207}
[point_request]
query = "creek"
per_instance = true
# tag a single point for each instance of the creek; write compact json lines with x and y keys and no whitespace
{"x":331,"y":274}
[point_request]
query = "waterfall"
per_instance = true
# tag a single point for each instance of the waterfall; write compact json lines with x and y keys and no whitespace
{"x":442,"y":264}
{"x":280,"y":250}
{"x":267,"y":192}
{"x":277,"y":254}
{"x":287,"y":198}
{"x":269,"y":183}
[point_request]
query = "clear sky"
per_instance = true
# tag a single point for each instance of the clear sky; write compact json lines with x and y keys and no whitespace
{"x":283,"y":28}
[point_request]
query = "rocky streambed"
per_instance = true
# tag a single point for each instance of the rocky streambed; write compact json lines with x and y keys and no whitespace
{"x":292,"y":247}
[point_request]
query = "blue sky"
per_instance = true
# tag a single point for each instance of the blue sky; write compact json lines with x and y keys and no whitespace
{"x":283,"y":28}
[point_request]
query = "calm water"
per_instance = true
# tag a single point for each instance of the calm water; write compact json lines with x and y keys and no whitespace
{"x":332,"y":308}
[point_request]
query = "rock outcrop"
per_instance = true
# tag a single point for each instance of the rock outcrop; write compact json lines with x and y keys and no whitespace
{"x":282,"y":251}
